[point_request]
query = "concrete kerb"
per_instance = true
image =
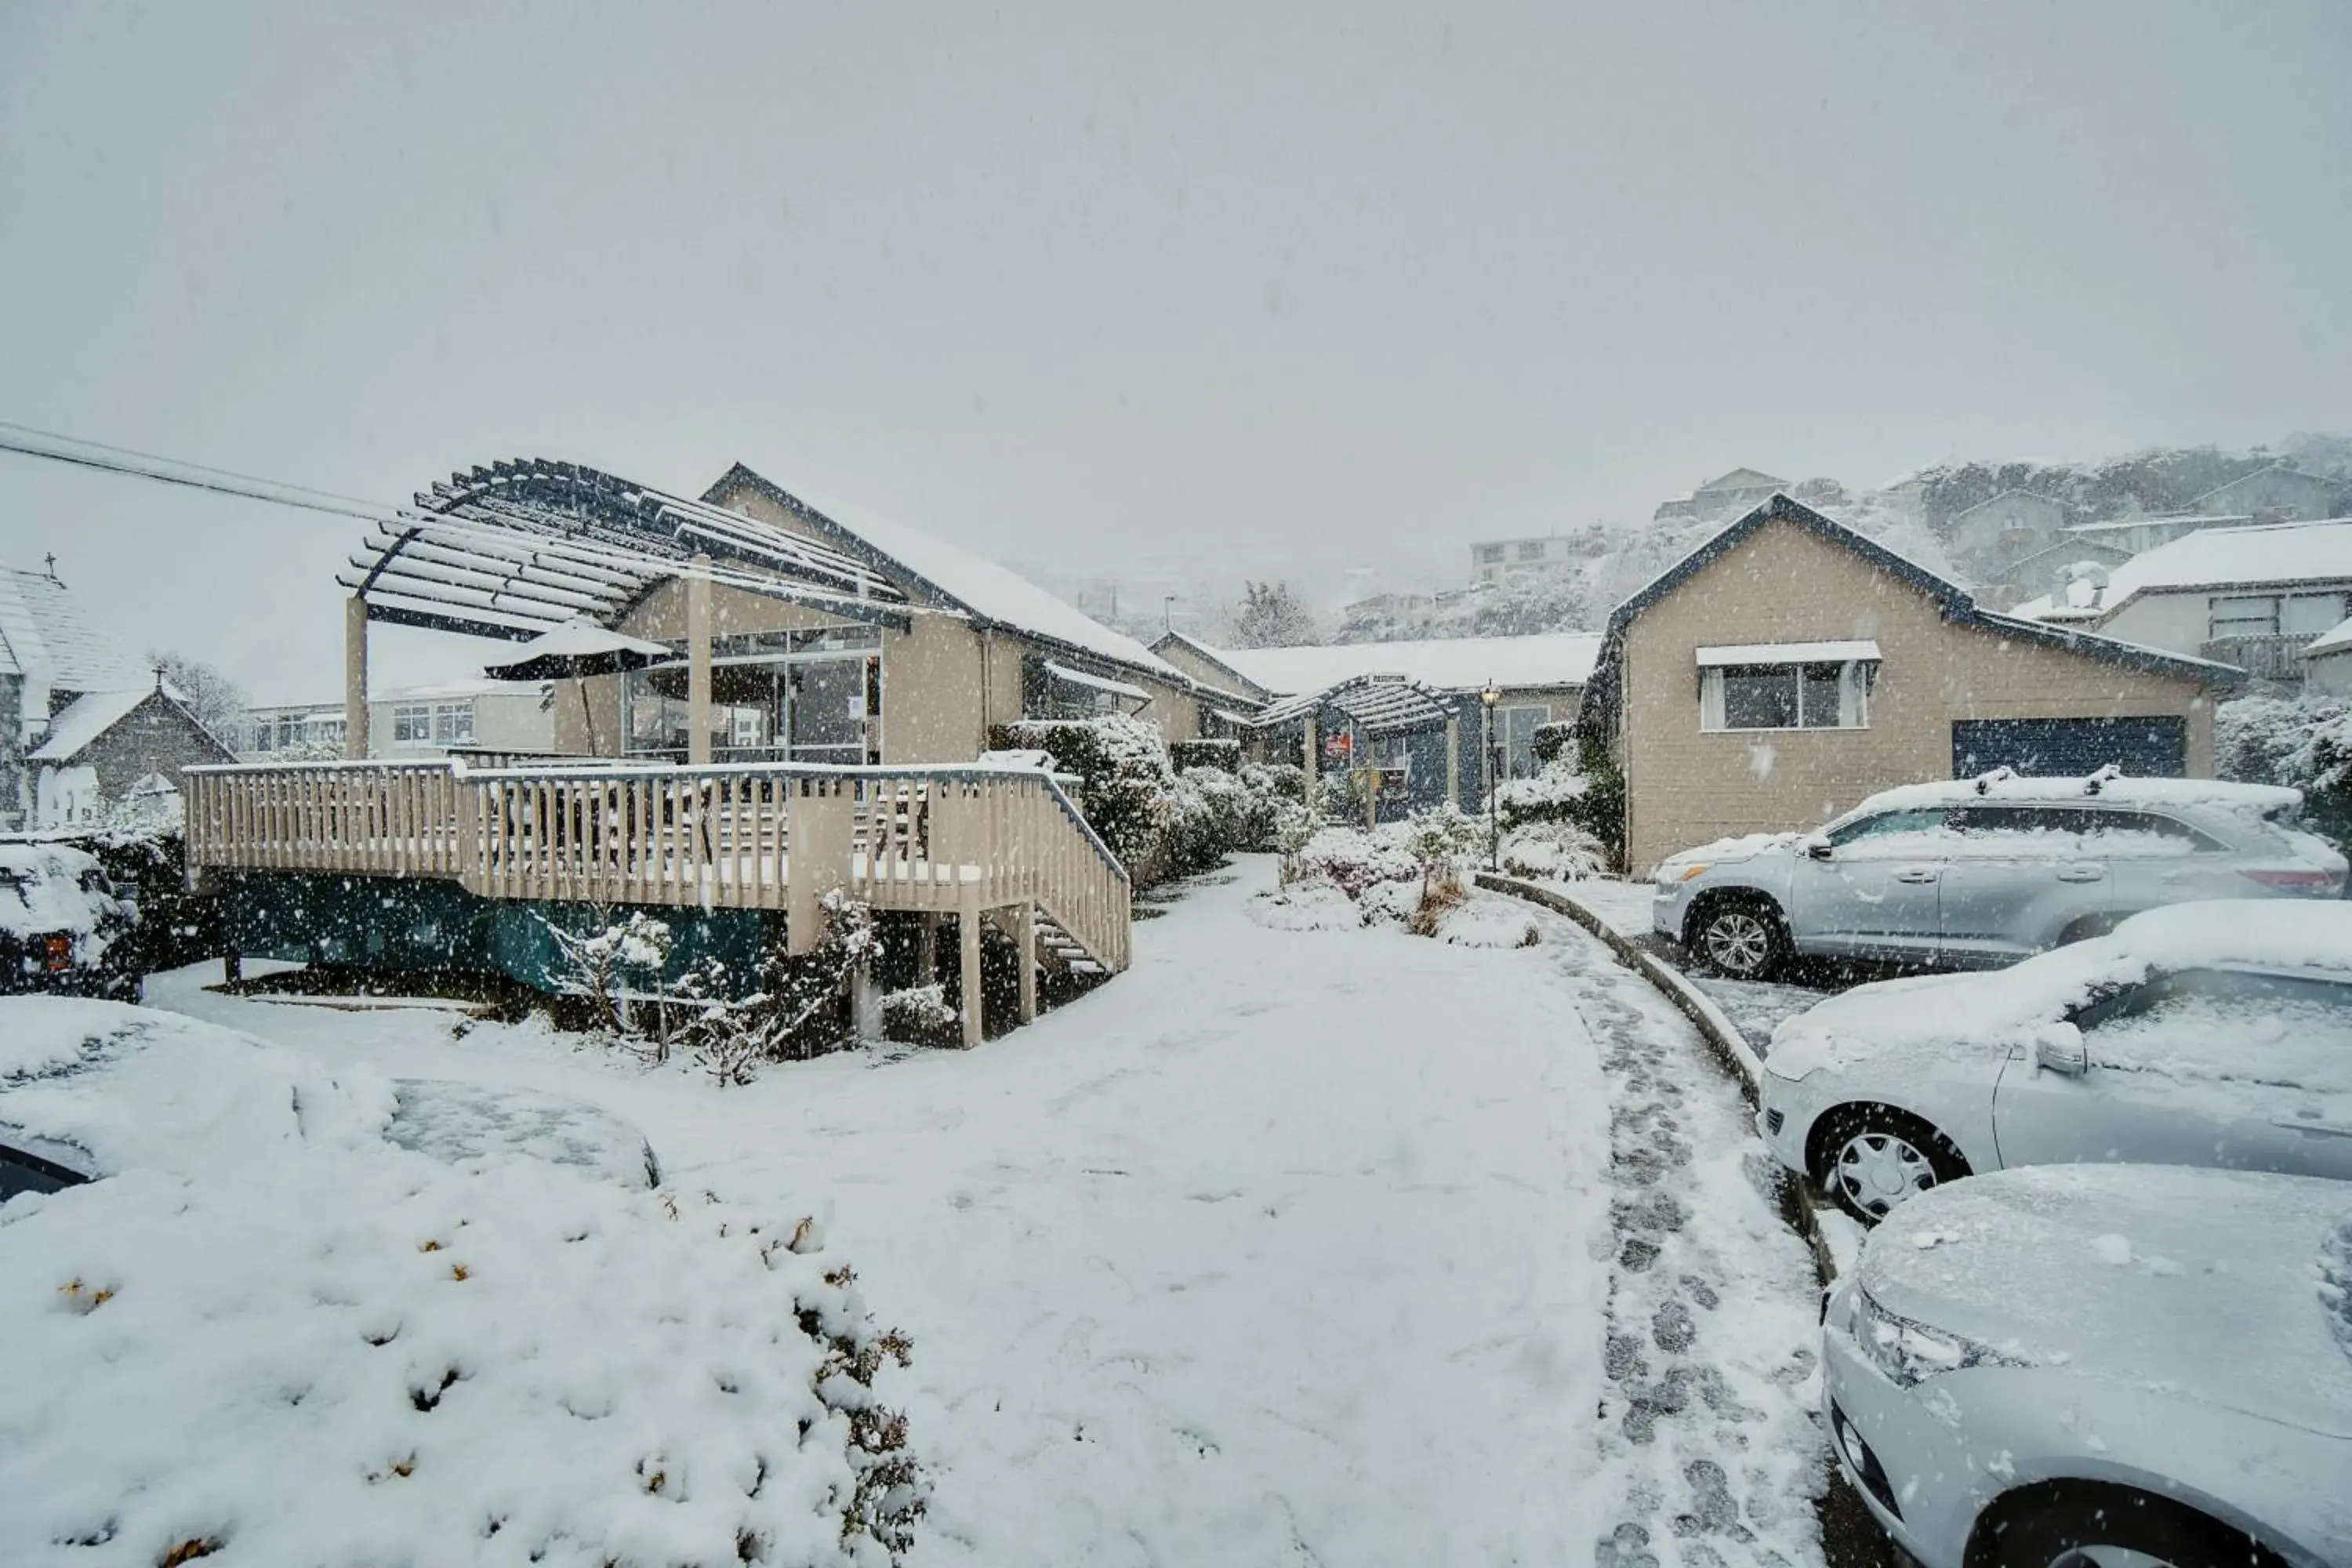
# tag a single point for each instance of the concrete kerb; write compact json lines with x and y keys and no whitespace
{"x":1799,"y":1204}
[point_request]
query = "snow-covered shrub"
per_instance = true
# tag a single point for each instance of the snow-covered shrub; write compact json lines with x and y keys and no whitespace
{"x":1187,"y":755}
{"x":2303,"y":742}
{"x":1127,"y":787}
{"x":920,"y":1014}
{"x":1559,"y":851}
{"x":1354,"y":861}
{"x":796,"y":1013}
{"x":614,"y":959}
{"x":331,"y":1350}
{"x":1586,"y":791}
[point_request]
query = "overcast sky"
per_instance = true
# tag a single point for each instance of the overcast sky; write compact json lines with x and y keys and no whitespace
{"x":1244,"y":286}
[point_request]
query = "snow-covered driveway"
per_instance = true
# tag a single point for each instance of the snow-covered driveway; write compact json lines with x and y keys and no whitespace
{"x":1285,"y":1247}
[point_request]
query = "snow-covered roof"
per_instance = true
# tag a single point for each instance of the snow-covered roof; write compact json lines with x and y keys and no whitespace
{"x":970,"y":581}
{"x":1739,"y":480}
{"x":2185,"y":521}
{"x":85,"y":719}
{"x":1377,"y":704}
{"x":1061,"y":671}
{"x":1443,"y":664}
{"x":46,"y":634}
{"x":2279,"y":553}
{"x":2328,"y":644}
{"x":451,"y":691}
{"x":2004,"y":495}
{"x":2279,"y":469}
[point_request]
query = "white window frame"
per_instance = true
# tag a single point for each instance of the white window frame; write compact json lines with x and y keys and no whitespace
{"x":412,"y":724}
{"x":453,"y":723}
{"x":2244,"y":622}
{"x":1535,"y":716}
{"x":1855,"y":678}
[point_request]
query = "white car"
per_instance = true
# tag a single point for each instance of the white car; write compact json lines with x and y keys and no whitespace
{"x":2212,"y":1033}
{"x":2137,"y":1365}
{"x":1974,"y":873}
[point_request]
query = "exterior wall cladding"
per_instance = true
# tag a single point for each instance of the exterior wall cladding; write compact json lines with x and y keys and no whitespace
{"x":1686,"y":786}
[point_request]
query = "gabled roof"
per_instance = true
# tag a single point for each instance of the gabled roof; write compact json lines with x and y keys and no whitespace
{"x":1214,"y":656}
{"x":1957,"y":604}
{"x":1376,"y":704}
{"x":992,"y":595}
{"x":92,"y":715}
{"x":1739,"y":480}
{"x":1442,"y":663}
{"x":2281,"y":469}
{"x":47,"y":635}
{"x":2004,"y":495}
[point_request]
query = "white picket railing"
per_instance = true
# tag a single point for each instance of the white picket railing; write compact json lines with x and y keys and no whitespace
{"x":750,"y":835}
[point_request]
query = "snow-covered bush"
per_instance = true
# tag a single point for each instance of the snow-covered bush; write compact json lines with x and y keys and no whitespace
{"x":1557,"y":850}
{"x":318,"y":1347}
{"x":2302,"y":743}
{"x":796,"y":1013}
{"x":615,"y":959}
{"x":1159,"y":822}
{"x":1353,"y":860}
{"x":1584,"y":791}
{"x":920,"y":1014}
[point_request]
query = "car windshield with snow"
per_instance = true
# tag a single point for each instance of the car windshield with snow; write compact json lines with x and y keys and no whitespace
{"x":1984,"y":871}
{"x":2216,"y":1034}
{"x":63,"y":925}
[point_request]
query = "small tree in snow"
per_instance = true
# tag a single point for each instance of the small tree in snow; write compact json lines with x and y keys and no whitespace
{"x":218,"y":702}
{"x":612,"y":961}
{"x":1270,"y":616}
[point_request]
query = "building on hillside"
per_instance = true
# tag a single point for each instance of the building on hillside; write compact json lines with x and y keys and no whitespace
{"x":290,"y":729}
{"x":2005,"y":528}
{"x":2047,"y":571}
{"x":1411,"y":610}
{"x":1790,"y":666}
{"x":825,"y":635}
{"x":84,"y":724}
{"x":2276,"y":494}
{"x":1417,"y":709}
{"x":2327,"y":662}
{"x":2253,"y":597}
{"x":514,"y":718}
{"x":1498,"y":560}
{"x":1725,"y":496}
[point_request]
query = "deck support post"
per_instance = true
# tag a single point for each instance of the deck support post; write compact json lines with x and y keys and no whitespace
{"x":927,"y":948}
{"x":232,"y":967}
{"x":1454,"y":760}
{"x":355,"y":678}
{"x":968,"y":939}
{"x":697,"y":662}
{"x":1024,"y":932}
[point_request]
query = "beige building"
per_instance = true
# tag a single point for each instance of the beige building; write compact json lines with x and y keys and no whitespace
{"x":517,"y":717}
{"x":795,"y":633}
{"x":1790,"y":666}
{"x":1723,"y":496}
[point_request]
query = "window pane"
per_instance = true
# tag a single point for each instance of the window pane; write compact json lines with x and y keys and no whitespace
{"x":2308,"y":615}
{"x":1888,"y":823}
{"x":1821,"y":684}
{"x":1759,"y":697}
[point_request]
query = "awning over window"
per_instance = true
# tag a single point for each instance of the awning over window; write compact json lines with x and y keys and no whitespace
{"x":1789,"y":652}
{"x":1097,"y":682}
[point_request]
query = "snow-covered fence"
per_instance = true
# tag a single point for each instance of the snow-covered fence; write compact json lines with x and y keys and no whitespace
{"x":755,"y":836}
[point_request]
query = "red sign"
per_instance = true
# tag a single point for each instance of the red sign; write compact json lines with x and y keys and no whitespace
{"x":1339,"y":745}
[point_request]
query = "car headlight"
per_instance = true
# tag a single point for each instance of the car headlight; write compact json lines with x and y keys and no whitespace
{"x":1908,"y":1353}
{"x":1679,"y":871}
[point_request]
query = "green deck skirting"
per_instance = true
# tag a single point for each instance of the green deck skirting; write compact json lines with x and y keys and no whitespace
{"x":421,"y":924}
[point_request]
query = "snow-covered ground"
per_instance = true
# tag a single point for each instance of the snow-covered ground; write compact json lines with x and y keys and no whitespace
{"x":1285,"y":1246}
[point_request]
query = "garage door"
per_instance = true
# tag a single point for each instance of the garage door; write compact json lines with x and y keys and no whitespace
{"x":2143,"y":748}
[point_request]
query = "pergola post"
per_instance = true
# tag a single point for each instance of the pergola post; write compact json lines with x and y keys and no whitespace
{"x":697,"y":663}
{"x":1308,"y":759}
{"x":355,"y":678}
{"x":1454,"y":759}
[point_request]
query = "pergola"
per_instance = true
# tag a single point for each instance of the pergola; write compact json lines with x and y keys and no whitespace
{"x":516,"y":549}
{"x":1376,"y":704}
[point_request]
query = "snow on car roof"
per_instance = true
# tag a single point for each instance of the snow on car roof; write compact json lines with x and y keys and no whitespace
{"x":2075,"y":790}
{"x":1444,"y":664}
{"x":458,"y":1122}
{"x":41,"y":892}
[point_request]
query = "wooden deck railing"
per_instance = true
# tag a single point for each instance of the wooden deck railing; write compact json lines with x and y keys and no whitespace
{"x":753,"y":836}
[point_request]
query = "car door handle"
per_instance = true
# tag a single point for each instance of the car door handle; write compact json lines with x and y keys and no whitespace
{"x":2082,"y":873}
{"x":1918,"y":874}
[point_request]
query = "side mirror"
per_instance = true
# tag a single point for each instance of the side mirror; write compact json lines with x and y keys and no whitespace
{"x":2060,"y":1049}
{"x":1819,"y":849}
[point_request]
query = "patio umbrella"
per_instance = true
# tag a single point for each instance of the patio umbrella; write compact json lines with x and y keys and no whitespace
{"x":575,"y":651}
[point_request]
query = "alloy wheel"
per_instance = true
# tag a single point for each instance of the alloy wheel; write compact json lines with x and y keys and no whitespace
{"x":1737,"y":942}
{"x":1875,"y":1171}
{"x":2109,"y":1557}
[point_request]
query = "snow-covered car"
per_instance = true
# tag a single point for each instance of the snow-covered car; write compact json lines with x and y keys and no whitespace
{"x":1979,"y":872}
{"x":2071,"y":1365}
{"x":270,"y":1332}
{"x":63,"y":925}
{"x":111,"y":1091}
{"x":2212,"y":1033}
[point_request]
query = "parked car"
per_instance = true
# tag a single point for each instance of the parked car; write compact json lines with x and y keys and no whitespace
{"x":2211,"y":1034}
{"x":2076,"y":1365}
{"x":1981,"y":872}
{"x":90,"y":1089}
{"x":63,"y":926}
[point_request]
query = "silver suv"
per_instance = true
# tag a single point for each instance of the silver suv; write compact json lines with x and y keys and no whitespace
{"x":1981,"y":872}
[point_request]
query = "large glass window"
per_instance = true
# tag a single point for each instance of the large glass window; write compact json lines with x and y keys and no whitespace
{"x":412,"y":724}
{"x":1785,"y":696}
{"x":2245,"y":615}
{"x":453,"y":723}
{"x":1515,"y":732}
{"x":815,"y":706}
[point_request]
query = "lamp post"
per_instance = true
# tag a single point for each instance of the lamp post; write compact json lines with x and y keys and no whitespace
{"x":1486,"y":700}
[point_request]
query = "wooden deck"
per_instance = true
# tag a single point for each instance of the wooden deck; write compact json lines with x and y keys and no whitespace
{"x":964,"y":840}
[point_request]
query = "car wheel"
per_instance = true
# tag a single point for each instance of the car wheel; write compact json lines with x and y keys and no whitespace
{"x":1871,"y":1159}
{"x":2109,"y":1527}
{"x":1741,"y":938}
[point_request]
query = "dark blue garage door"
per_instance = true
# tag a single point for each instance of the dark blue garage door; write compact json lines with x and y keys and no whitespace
{"x":2143,"y":748}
